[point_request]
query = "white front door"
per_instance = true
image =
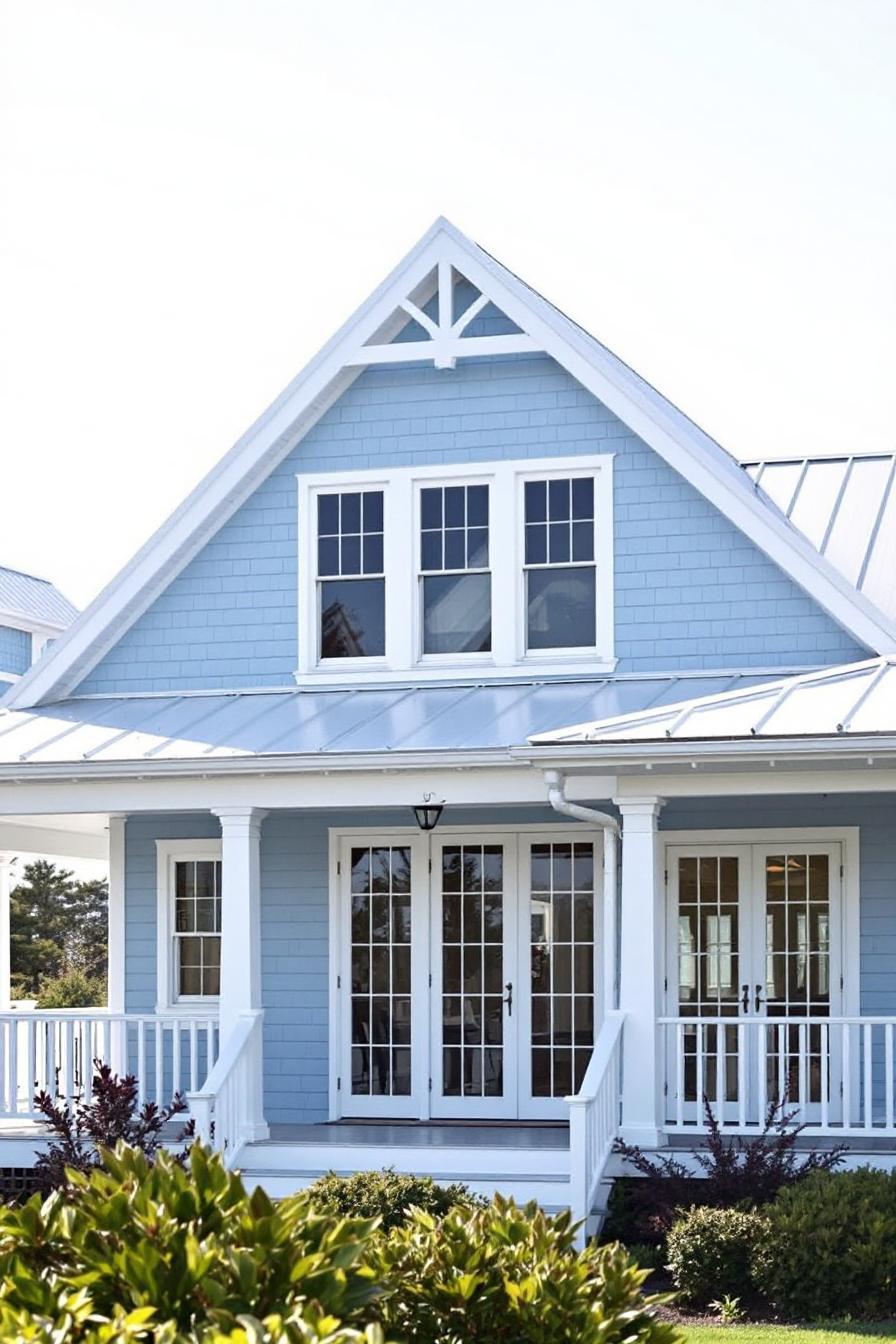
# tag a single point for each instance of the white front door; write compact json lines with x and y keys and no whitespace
{"x":475,"y":986}
{"x":756,"y":950}
{"x":466,"y":981}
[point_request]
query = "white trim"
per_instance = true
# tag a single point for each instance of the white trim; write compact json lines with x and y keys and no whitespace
{"x":167,"y":853}
{"x":401,"y":520}
{"x":649,"y":415}
{"x":117,"y":896}
{"x":30,"y":625}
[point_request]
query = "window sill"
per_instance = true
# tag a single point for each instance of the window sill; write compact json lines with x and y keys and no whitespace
{"x":531,"y":668}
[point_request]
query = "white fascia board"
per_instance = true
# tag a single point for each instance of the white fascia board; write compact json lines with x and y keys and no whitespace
{"x":679,"y":752}
{"x":18,"y":620}
{"x":645,"y":411}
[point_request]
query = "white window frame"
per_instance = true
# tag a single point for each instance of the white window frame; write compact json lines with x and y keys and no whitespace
{"x":404,"y":611}
{"x":168,"y":853}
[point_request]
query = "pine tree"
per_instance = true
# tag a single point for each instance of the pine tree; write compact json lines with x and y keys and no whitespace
{"x":58,"y":925}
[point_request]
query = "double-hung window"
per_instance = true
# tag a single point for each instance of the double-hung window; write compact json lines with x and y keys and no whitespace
{"x":437,"y":570}
{"x":351,"y":581}
{"x":456,"y":585}
{"x":559,"y":566}
{"x":188,"y":921}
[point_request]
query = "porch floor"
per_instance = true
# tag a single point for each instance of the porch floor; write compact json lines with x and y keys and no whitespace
{"x":424,"y":1134}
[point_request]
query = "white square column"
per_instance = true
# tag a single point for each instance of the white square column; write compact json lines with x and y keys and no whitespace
{"x":641,"y":970}
{"x":241,"y":938}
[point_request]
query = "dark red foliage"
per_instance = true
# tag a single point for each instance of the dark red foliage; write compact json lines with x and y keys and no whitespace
{"x":109,"y":1116}
{"x":736,"y":1171}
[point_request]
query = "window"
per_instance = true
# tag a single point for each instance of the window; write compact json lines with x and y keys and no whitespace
{"x":351,"y":579}
{"x":189,"y":921}
{"x":560,"y":576}
{"x":455,"y":579}
{"x":499,"y":566}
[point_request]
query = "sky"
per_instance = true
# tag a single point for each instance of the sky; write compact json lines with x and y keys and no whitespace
{"x":194,"y":194}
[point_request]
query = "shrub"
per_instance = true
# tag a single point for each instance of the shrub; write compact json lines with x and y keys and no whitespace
{"x":74,"y":989}
{"x":183,"y":1250}
{"x":831,"y":1247}
{"x":736,"y":1171}
{"x":508,"y":1275}
{"x":710,"y":1252}
{"x":108,"y":1117}
{"x":386,"y":1195}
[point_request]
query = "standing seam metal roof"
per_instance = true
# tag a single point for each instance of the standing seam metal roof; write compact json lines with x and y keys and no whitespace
{"x":35,"y":599}
{"x":301,"y":722}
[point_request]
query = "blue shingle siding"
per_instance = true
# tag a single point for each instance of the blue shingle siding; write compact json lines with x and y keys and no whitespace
{"x":691,"y":590}
{"x":15,"y":650}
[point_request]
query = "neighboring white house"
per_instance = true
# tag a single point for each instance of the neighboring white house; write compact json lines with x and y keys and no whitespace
{"x":491,"y":764}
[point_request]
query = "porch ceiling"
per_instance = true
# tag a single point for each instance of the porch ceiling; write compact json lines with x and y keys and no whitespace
{"x":205,"y":727}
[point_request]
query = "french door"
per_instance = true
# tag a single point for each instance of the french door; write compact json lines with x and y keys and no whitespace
{"x":756,"y":948}
{"x":467,"y":973}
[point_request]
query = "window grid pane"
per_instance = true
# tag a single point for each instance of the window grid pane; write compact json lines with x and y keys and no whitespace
{"x":350,"y":534}
{"x":455,"y":597}
{"x":197,"y":927}
{"x":473,"y":971}
{"x":708,"y":969}
{"x":562,"y":966}
{"x":559,"y":563}
{"x":381,"y":971}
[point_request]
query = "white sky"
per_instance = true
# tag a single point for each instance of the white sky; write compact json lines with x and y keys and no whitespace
{"x":195,"y":193}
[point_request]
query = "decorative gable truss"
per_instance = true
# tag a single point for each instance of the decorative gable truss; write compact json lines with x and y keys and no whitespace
{"x":426,"y":310}
{"x":445,"y":329}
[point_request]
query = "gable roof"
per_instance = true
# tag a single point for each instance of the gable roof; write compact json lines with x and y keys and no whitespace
{"x":856,"y":700}
{"x":544,"y":328}
{"x":32,"y":600}
{"x":845,"y":506}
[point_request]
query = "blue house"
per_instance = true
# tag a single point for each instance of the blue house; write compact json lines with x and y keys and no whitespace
{"x":492,"y":765}
{"x":33,"y":613}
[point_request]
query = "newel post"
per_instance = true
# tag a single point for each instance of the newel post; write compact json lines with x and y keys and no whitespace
{"x":640,"y":971}
{"x":241,"y":941}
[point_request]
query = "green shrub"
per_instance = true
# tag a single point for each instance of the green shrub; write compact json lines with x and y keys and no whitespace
{"x":508,"y":1275}
{"x":186,"y":1244}
{"x":710,"y":1252}
{"x":74,"y":989}
{"x":386,"y":1195}
{"x":831,"y":1247}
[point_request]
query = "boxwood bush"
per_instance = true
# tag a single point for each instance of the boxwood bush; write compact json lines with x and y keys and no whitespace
{"x":387,"y":1195}
{"x":830,"y":1249}
{"x":181,"y":1254}
{"x":710,"y":1252}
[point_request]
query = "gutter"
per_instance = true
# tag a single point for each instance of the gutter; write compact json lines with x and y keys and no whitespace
{"x":556,"y":785}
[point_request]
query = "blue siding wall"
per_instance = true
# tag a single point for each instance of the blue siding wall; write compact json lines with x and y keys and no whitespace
{"x":15,"y":650}
{"x":691,"y":590}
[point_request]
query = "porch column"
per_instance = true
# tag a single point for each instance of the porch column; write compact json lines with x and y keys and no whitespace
{"x":640,"y":970}
{"x":6,"y":862}
{"x":116,"y":913}
{"x":241,"y":937}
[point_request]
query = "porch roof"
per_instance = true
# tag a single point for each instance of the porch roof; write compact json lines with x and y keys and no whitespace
{"x":855,"y":700}
{"x":275,"y":723}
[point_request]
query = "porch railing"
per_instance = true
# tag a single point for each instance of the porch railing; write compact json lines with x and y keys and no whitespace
{"x":837,"y":1074}
{"x":594,"y":1115}
{"x":54,"y":1052}
{"x":227,"y":1105}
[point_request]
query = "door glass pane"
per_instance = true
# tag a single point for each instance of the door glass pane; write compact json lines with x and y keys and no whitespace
{"x":708,"y":935}
{"x":797,"y":971}
{"x":561,"y":937}
{"x":380,"y":971}
{"x":472,"y":1007}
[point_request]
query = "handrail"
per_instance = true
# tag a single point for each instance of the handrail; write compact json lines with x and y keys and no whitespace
{"x":594,"y":1119}
{"x":224,"y":1108}
{"x":54,"y":1051}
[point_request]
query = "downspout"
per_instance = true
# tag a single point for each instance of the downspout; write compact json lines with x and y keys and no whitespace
{"x":556,"y":784}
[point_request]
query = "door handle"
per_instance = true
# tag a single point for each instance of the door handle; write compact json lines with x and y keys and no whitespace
{"x":758,"y":997}
{"x":509,"y":999}
{"x":745,"y":1001}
